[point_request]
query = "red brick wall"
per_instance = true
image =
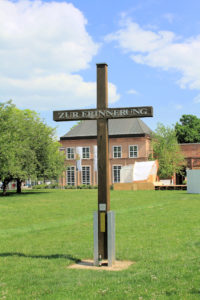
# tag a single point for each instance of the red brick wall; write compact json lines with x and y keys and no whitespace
{"x":143,"y":144}
{"x":191,"y":153}
{"x":190,"y":150}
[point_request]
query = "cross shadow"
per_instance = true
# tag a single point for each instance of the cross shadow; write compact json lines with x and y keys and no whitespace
{"x":53,"y":256}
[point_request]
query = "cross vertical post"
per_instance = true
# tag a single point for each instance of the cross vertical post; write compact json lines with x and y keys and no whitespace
{"x":103,"y":161}
{"x":104,"y":219}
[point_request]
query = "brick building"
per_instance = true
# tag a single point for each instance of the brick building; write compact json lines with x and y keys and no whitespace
{"x":191,"y":152}
{"x":129,"y":141}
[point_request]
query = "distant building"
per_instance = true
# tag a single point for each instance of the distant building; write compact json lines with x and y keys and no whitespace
{"x":191,"y":152}
{"x":129,"y":141}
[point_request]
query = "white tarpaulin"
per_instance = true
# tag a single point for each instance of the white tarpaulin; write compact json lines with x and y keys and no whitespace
{"x":126,"y":174}
{"x":143,"y":169}
{"x":78,"y":157}
{"x":140,"y":171}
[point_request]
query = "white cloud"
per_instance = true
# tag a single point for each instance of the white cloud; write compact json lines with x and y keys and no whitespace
{"x":44,"y":36}
{"x":43,"y":45}
{"x":161,"y":49}
{"x":58,"y":91}
{"x":132,"y":38}
{"x":132,"y":91}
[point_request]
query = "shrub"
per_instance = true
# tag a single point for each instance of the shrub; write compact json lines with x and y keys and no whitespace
{"x":81,"y":187}
{"x":68,"y":187}
{"x":46,"y":186}
{"x":94,"y":187}
{"x":40,"y":186}
{"x":53,"y":186}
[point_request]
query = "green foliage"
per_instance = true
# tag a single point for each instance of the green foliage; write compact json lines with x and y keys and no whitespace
{"x":167,"y":150}
{"x":40,"y":186}
{"x":46,"y":186}
{"x":70,"y":187}
{"x":81,"y":187}
{"x":188,"y":130}
{"x":28,"y":148}
{"x":43,"y":232}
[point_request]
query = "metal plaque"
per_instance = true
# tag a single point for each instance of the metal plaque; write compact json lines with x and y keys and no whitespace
{"x":102,"y":207}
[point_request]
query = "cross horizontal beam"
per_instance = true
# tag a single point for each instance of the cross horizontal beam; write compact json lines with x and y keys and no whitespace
{"x":107,"y":113}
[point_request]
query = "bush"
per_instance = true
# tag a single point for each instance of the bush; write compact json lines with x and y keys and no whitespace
{"x":94,"y":187}
{"x":40,"y":186}
{"x":46,"y":186}
{"x":54,"y":186}
{"x":68,"y":187}
{"x":81,"y":187}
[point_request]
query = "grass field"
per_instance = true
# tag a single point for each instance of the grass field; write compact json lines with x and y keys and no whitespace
{"x":43,"y":232}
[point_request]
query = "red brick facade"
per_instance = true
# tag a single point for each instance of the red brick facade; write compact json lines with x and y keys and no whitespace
{"x":191,"y":153}
{"x":143,"y":147}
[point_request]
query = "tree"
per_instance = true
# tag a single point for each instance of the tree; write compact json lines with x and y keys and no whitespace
{"x":188,"y":130}
{"x":166,"y":149}
{"x":28,"y":148}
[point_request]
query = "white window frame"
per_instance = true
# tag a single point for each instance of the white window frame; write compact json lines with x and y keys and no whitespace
{"x":86,"y":175}
{"x":133,"y":151}
{"x":69,"y":155}
{"x":119,"y":146}
{"x":113,"y":177}
{"x":88,"y":152}
{"x":69,"y":169}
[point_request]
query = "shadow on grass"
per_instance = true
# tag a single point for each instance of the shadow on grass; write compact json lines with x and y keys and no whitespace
{"x":53,"y":256}
{"x":25,"y":193}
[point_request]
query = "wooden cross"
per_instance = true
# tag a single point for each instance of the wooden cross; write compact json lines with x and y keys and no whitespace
{"x":102,"y":114}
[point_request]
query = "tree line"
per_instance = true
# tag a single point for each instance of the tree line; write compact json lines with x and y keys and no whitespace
{"x":28,"y":147}
{"x":166,"y":144}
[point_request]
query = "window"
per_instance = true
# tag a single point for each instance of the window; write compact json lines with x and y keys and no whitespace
{"x":133,"y":151}
{"x":85,"y":175}
{"x":117,"y":151}
{"x":70,"y":153}
{"x":71,"y":175}
{"x":116,"y":174}
{"x":86,"y":152}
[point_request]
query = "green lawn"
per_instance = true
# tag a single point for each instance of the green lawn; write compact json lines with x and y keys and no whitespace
{"x":43,"y":232}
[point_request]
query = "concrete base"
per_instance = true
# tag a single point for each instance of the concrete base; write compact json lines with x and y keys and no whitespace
{"x":89,"y":264}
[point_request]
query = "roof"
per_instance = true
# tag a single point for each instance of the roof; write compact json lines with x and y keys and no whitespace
{"x":116,"y":127}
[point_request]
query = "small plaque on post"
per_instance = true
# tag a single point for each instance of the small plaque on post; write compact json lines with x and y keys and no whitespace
{"x":102,"y":222}
{"x":102,"y":207}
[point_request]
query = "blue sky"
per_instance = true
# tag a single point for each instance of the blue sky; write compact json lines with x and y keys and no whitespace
{"x":49,"y":51}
